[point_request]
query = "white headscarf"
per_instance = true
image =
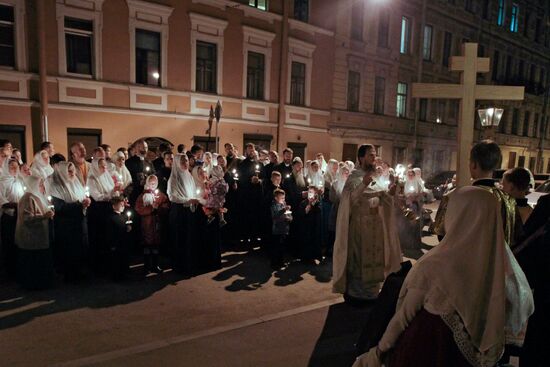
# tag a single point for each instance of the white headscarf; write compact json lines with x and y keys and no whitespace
{"x":33,"y":187}
{"x":199,"y":183}
{"x":217,"y":173}
{"x":316,"y":178}
{"x":181,"y":185}
{"x":473,"y":271}
{"x":329,"y":176}
{"x":351,"y":165}
{"x":11,"y":187}
{"x":122,"y":172}
{"x":207,"y":167}
{"x":413,"y":186}
{"x":101,"y":185}
{"x":340,"y":181}
{"x":64,"y":188}
{"x":39,"y":168}
{"x":148,"y":193}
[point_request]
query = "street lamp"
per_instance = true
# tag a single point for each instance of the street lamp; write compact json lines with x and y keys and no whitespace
{"x":490,"y":119}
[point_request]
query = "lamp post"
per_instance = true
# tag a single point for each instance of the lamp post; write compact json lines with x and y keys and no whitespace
{"x":490,"y":119}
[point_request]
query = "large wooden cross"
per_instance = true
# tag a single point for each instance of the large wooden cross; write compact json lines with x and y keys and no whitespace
{"x":467,"y":92}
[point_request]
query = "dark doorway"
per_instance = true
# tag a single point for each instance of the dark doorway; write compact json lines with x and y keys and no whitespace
{"x":260,"y":141}
{"x":299,"y":149}
{"x":208,"y":144}
{"x":511,"y":159}
{"x":16,"y":135}
{"x":91,"y":138}
{"x":349,"y":152}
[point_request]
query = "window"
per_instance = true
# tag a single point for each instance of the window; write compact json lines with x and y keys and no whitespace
{"x":526,"y":119}
{"x":147,"y":57}
{"x":401,"y":99}
{"x":496,"y":60}
{"x":501,"y":12}
{"x":405,"y":35}
{"x":91,"y":138}
{"x":354,"y":86}
{"x":485,"y":9}
{"x":536,"y":126}
{"x":537,"y":30}
{"x":441,"y":107}
{"x":78,"y":44}
{"x":260,"y":4}
{"x":542,"y":78}
{"x":521,"y":70}
{"x":383,"y":28}
{"x":423,"y":109}
{"x":532,"y":73}
{"x":301,"y":10}
{"x":526,"y":21}
{"x":398,"y":156}
{"x":514,"y":19}
{"x":509,"y":64}
{"x":512,"y":159}
{"x":521,"y":161}
{"x":515,"y":122}
{"x":532,"y":163}
{"x":298,"y":83}
{"x":379,"y":95}
{"x":206,"y":67}
{"x":255,"y":75}
{"x":427,"y":46}
{"x":357,"y":20}
{"x":7,"y":36}
{"x":469,"y":5}
{"x":447,"y":47}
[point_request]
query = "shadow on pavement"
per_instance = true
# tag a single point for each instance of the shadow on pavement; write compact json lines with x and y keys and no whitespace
{"x":336,"y":344}
{"x":95,"y":293}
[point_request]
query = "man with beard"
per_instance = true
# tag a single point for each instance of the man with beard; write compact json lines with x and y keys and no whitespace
{"x":231,"y":157}
{"x":139,"y":169}
{"x":250,"y":194}
{"x":285,"y":167}
{"x":296,"y":189}
{"x":78,"y":157}
{"x":270,"y":166}
{"x":163,"y":173}
{"x":367,"y":247}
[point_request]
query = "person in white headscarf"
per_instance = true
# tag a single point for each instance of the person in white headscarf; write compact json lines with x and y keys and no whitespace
{"x":101,"y":188}
{"x":32,"y":236}
{"x":41,"y":165}
{"x":322,"y":162}
{"x":12,"y":188}
{"x":458,"y":299}
{"x":70,"y":223}
{"x":335,"y":193}
{"x":122,"y":174}
{"x":182,"y":192}
{"x":315,"y":176}
{"x":351,"y":165}
{"x":330,"y":174}
{"x":208,"y":164}
{"x":215,"y":202}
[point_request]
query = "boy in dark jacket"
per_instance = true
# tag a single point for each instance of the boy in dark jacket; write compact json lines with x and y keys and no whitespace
{"x":117,"y":235}
{"x":281,"y":217}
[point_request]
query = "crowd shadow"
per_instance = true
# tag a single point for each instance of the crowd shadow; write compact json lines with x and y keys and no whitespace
{"x":19,"y":306}
{"x":336,"y":344}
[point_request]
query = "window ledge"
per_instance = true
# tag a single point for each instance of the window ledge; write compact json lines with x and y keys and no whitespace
{"x":309,"y":28}
{"x":249,"y":11}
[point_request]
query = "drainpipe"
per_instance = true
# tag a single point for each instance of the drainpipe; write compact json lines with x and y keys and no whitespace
{"x":419,"y":70}
{"x":43,"y":75}
{"x":282,"y":73}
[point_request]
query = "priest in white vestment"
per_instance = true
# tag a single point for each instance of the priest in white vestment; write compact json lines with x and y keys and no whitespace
{"x":367,"y":246}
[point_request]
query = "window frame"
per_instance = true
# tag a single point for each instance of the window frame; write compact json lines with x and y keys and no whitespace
{"x":95,"y":15}
{"x":353,"y":95}
{"x":258,"y":41}
{"x":403,"y":97}
{"x":160,"y":71}
{"x":19,"y":35}
{"x":427,"y":52}
{"x":255,"y":5}
{"x":80,"y":33}
{"x":405,"y":37}
{"x":357,"y":16}
{"x":447,"y":49}
{"x":292,"y":102}
{"x":308,"y":10}
{"x":260,"y":89}
{"x":205,"y":88}
{"x":514,"y":18}
{"x":379,"y":96}
{"x":384,"y":15}
{"x":11,"y":25}
{"x":501,"y":13}
{"x":302,"y":52}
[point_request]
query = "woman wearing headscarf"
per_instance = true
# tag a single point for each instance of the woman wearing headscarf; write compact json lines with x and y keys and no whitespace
{"x":41,"y":165}
{"x":182,"y":193}
{"x":32,"y":236}
{"x":101,"y":188}
{"x":458,"y":299}
{"x":71,"y":229}
{"x":12,"y":188}
{"x":208,"y":164}
{"x":123,"y":176}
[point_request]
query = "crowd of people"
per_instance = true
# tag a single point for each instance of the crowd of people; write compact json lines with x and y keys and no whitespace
{"x":81,"y":215}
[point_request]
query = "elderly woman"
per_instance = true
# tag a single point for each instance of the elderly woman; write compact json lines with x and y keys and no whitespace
{"x":32,"y":236}
{"x":11,"y":191}
{"x":71,"y":229}
{"x":122,"y":175}
{"x":41,"y":165}
{"x":182,"y":192}
{"x":457,"y":301}
{"x":101,"y":188}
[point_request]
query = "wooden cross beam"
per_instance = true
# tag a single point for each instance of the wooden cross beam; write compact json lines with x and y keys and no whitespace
{"x":467,"y":92}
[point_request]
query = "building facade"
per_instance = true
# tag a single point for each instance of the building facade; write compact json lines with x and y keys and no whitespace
{"x":318,"y":76}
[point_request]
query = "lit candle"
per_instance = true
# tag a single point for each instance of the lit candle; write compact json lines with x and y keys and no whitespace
{"x":198,"y":193}
{"x":287,"y":175}
{"x":24,"y":188}
{"x":147,"y":169}
{"x":308,"y":180}
{"x":129,"y":215}
{"x":50,"y":202}
{"x":411,"y":189}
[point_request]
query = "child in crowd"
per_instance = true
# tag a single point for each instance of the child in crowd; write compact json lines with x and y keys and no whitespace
{"x":311,"y":231}
{"x":216,"y":200}
{"x":281,"y":217}
{"x":152,"y":205}
{"x":117,"y":236}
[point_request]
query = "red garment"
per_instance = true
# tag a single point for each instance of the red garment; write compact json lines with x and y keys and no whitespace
{"x":426,"y":342}
{"x":151,"y":218}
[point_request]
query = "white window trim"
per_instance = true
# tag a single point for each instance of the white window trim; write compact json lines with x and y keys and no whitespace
{"x":207,"y":29}
{"x":90,"y":10}
{"x":258,"y":41}
{"x":300,"y":51}
{"x":151,"y":17}
{"x":19,"y":25}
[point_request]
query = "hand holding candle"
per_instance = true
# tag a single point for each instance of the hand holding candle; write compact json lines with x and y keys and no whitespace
{"x":129,"y":215}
